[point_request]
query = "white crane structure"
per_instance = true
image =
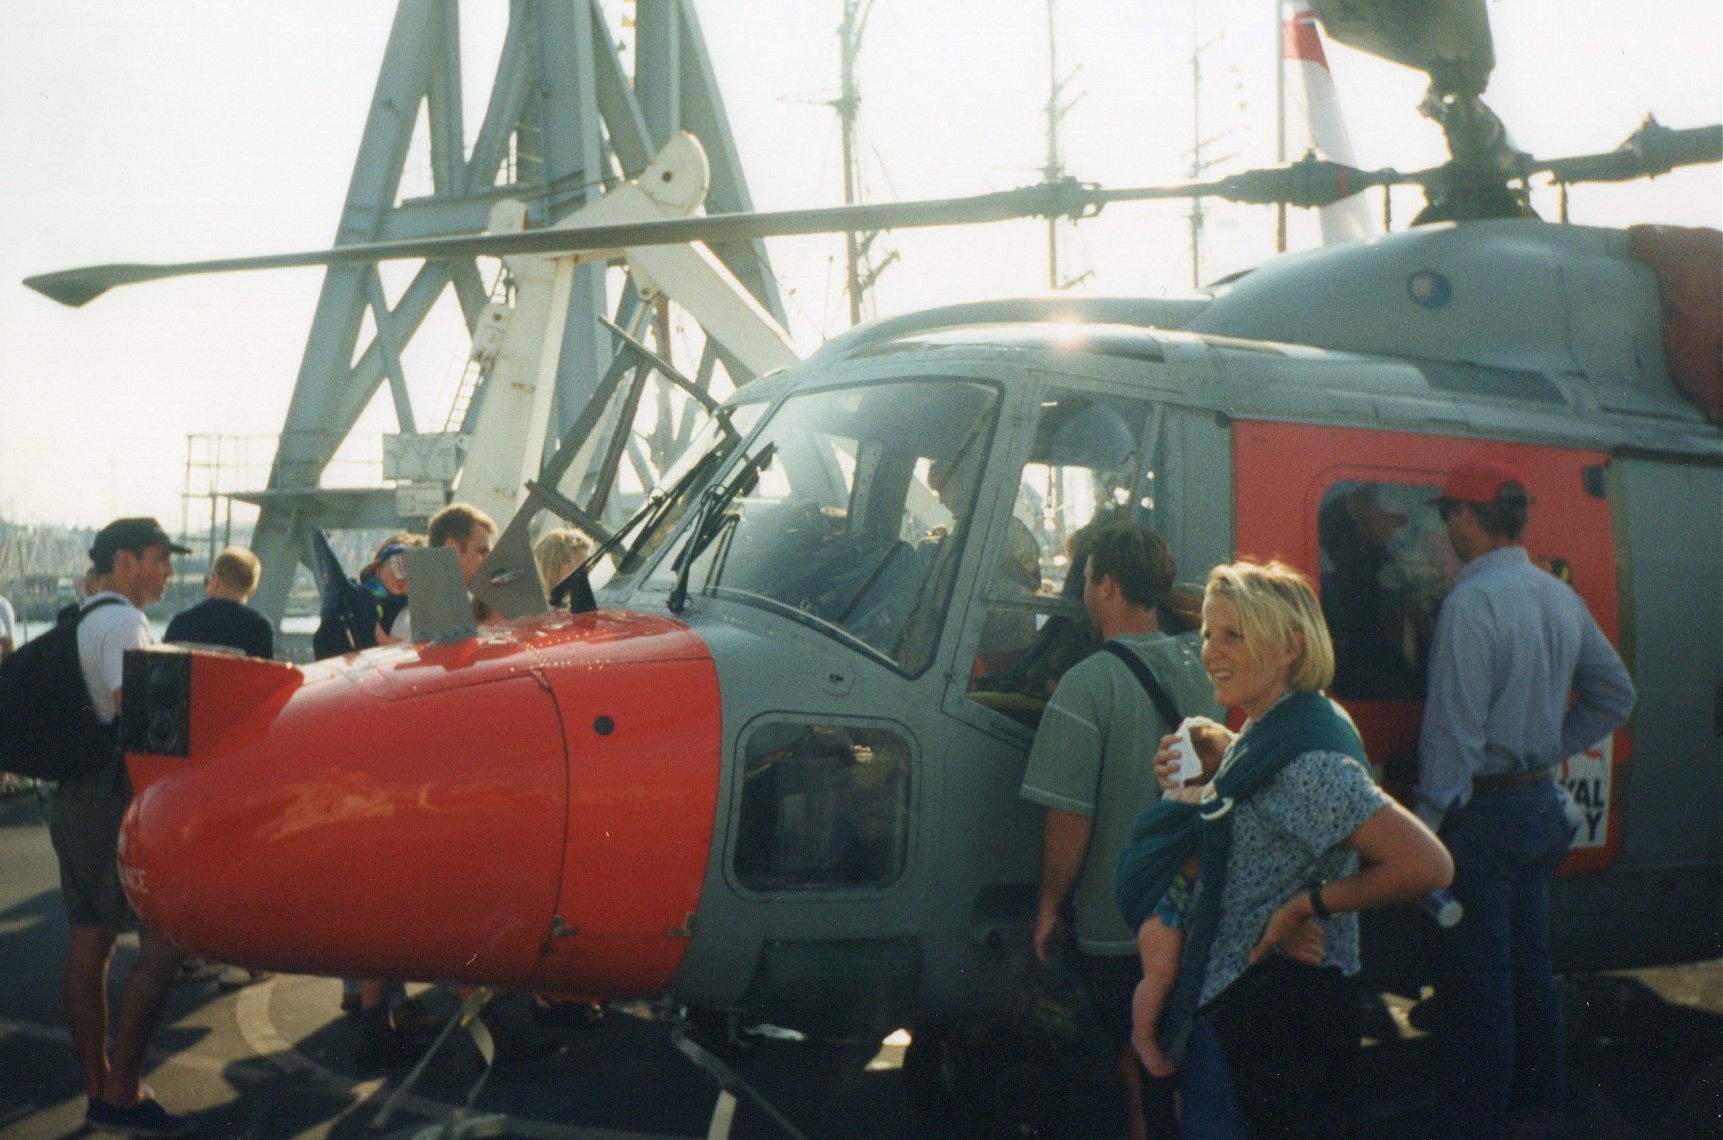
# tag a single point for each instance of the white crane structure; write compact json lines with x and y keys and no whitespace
{"x":567,"y":125}
{"x":520,"y":344}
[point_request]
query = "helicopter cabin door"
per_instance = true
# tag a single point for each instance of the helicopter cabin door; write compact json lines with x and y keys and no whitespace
{"x":1351,"y":508}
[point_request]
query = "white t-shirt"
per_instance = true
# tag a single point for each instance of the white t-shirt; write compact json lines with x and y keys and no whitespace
{"x":103,"y":638}
{"x":8,"y":623}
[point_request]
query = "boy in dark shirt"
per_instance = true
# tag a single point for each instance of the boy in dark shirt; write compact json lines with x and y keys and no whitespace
{"x":223,"y":618}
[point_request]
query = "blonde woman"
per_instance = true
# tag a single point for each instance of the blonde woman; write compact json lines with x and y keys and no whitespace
{"x":1289,"y":830}
{"x":558,"y":552}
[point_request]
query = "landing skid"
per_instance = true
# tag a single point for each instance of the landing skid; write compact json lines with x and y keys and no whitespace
{"x":464,"y":1123}
{"x":729,"y":1084}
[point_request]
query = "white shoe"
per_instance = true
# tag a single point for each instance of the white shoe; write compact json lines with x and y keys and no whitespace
{"x":195,"y":969}
{"x":238,"y":977}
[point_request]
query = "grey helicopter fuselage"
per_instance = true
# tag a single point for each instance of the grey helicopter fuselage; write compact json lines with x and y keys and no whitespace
{"x":774,"y":772}
{"x":871,"y":861}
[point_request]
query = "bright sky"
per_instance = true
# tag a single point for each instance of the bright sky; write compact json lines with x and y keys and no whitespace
{"x":176,"y":130}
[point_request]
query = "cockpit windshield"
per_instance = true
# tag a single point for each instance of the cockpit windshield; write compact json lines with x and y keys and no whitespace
{"x":839,"y":510}
{"x":657,"y":515}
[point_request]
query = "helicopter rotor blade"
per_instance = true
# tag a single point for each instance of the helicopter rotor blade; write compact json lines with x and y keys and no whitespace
{"x":77,"y":287}
{"x":1311,"y":182}
{"x":1651,"y":150}
{"x":1064,"y":198}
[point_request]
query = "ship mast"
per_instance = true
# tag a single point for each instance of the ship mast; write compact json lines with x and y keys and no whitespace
{"x":1196,"y":167}
{"x":1280,"y":34}
{"x":1202,"y":153}
{"x":1055,"y":168}
{"x":859,"y":277}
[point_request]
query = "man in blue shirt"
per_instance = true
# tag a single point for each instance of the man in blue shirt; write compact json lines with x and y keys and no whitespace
{"x":1512,"y":643}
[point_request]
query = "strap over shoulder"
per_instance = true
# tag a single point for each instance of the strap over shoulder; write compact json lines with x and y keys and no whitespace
{"x":1146,"y":677}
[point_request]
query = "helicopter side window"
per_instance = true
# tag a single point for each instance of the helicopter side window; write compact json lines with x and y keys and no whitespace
{"x":1386,"y":564}
{"x":822,"y":807}
{"x":833,"y":515}
{"x":1086,"y":470}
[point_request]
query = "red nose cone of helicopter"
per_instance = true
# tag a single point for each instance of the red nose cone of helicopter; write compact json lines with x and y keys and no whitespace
{"x":530,"y":808}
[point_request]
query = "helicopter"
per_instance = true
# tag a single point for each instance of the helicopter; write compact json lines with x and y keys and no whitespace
{"x":771,"y":769}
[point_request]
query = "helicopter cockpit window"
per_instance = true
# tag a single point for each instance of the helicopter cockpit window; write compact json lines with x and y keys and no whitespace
{"x":836,"y":511}
{"x":1386,"y":565}
{"x":822,"y":806}
{"x":653,"y":516}
{"x":1087,"y":468}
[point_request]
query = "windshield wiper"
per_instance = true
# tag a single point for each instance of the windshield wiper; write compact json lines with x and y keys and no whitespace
{"x":713,"y":505}
{"x":641,"y":525}
{"x":650,"y":515}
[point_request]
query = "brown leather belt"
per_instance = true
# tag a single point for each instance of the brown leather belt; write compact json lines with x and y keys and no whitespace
{"x":1510,"y":779}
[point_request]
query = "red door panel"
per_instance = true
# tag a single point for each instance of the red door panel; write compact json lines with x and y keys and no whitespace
{"x":1281,"y":474}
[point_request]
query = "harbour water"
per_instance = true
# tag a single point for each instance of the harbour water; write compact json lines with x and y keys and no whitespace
{"x":295,"y":629}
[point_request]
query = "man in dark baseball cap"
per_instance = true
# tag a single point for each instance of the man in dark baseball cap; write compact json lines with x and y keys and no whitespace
{"x":132,"y":561}
{"x":133,"y":534}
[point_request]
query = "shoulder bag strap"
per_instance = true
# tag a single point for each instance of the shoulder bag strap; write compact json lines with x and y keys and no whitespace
{"x":86,"y":610}
{"x":1163,"y":703}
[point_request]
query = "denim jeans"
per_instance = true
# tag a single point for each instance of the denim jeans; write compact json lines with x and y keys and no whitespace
{"x":1290,"y":1033}
{"x":1499,"y":1041}
{"x":1110,"y":981}
{"x":1277,"y":1056}
{"x":1211,"y":1109}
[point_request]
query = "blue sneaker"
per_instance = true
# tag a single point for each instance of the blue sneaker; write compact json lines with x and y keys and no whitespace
{"x":144,"y":1119}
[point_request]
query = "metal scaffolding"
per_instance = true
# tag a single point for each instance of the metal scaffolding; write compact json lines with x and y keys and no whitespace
{"x":565,"y":120}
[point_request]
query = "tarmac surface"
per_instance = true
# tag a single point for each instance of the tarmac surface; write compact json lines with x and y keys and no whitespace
{"x":275,"y":1059}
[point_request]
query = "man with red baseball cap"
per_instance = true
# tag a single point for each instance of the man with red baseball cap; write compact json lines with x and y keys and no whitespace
{"x":1512,"y":644}
{"x":1483,"y":481}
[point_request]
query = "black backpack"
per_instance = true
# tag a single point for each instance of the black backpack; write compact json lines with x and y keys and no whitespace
{"x":350,"y":613}
{"x":350,"y":622}
{"x":48,"y":731}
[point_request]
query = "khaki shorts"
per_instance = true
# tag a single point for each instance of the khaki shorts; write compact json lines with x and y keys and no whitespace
{"x":84,"y":824}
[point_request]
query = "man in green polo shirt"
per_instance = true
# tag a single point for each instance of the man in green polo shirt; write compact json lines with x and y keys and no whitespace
{"x":1092,"y":767}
